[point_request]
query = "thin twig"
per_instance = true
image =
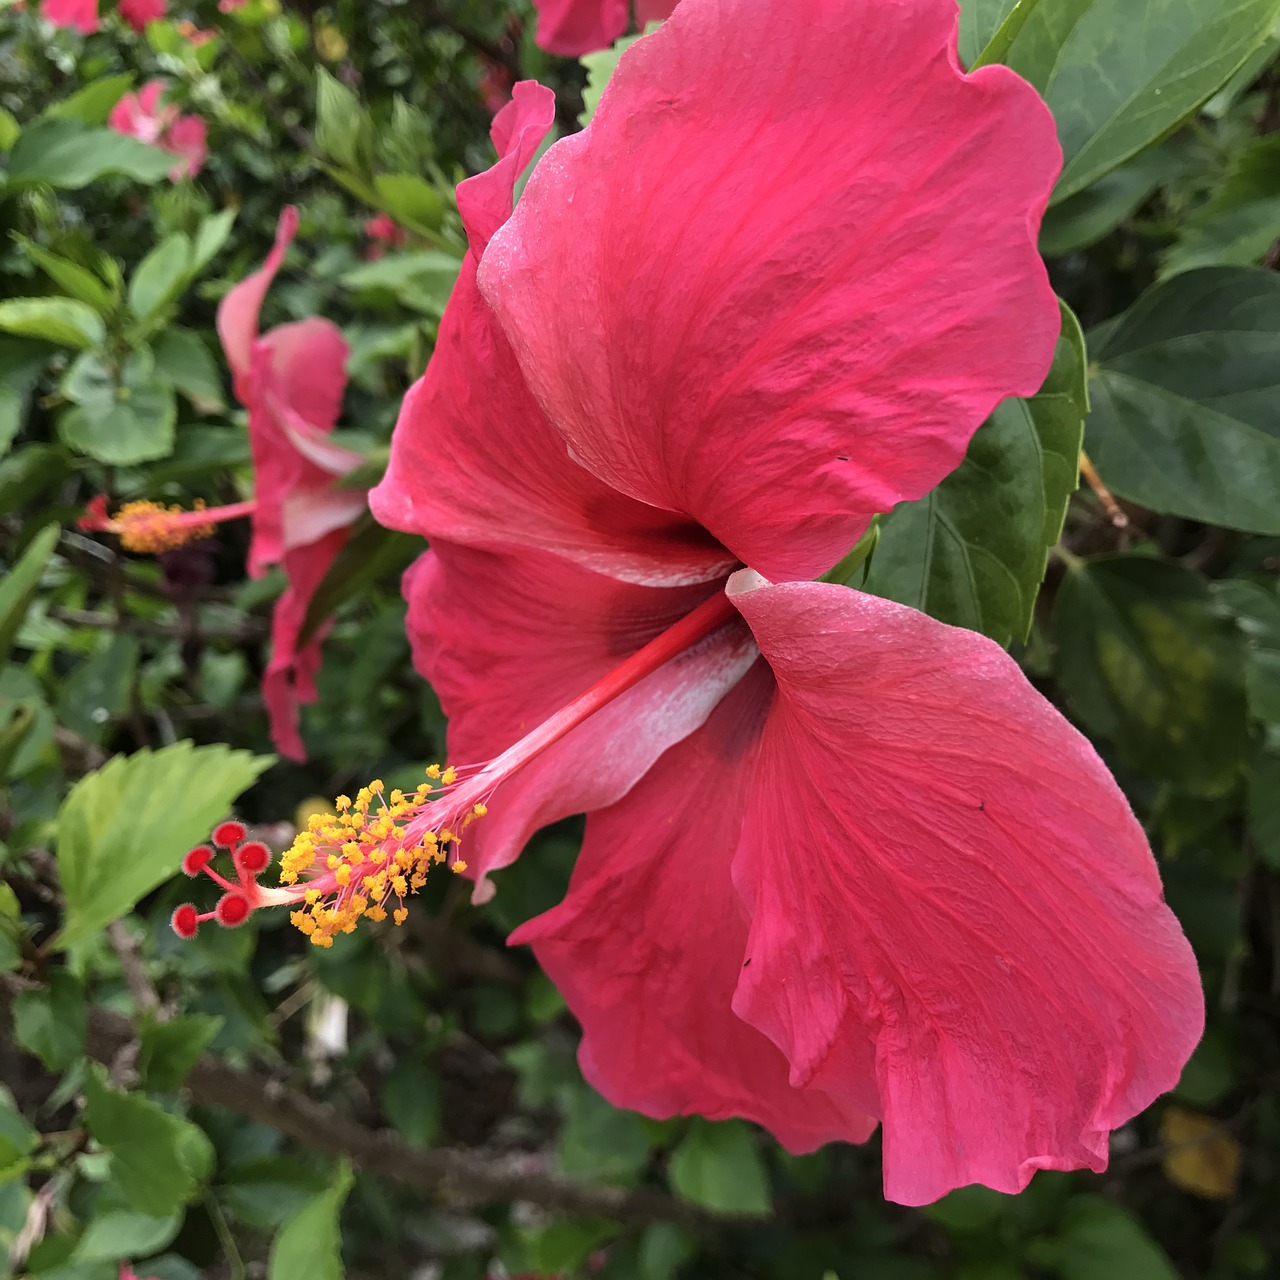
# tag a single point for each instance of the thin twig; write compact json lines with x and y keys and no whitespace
{"x":1102,"y":493}
{"x":249,"y":629}
{"x":131,"y":965}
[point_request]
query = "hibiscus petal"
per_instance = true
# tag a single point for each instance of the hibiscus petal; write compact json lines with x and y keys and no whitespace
{"x":289,"y":680}
{"x":648,"y":945}
{"x":294,"y":387}
{"x":574,"y":27}
{"x":941,"y":873}
{"x":472,"y":458}
{"x":787,"y":270}
{"x":506,"y":640}
{"x":238,"y":312}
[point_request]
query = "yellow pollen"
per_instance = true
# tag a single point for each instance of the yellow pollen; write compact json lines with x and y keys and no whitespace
{"x":352,"y":862}
{"x":147,"y":527}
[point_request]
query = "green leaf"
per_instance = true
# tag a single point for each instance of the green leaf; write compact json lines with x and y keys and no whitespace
{"x":1257,"y":614}
{"x":1084,"y":218}
{"x":158,"y":1161}
{"x":159,"y":277}
{"x":170,"y":1049}
{"x":263,"y":1192}
{"x":1149,"y":661}
{"x":369,"y":554}
{"x":1241,"y":221}
{"x":210,"y":238}
{"x":412,"y":202}
{"x":27,"y":473}
{"x":718,"y":1167}
{"x":119,"y":419}
{"x":1119,"y":75}
{"x":343,"y":130}
{"x":78,"y":281}
{"x":21,"y":364}
{"x":310,"y":1243}
{"x":973,"y":552}
{"x":9,"y":130}
{"x":123,"y":829}
{"x":18,"y":586}
{"x":598,"y":1141}
{"x":1263,"y":807}
{"x":98,"y":688}
{"x":92,"y":104}
{"x":64,"y":153}
{"x":62,"y":320}
{"x":184,"y":362}
{"x":119,"y":1234}
{"x":979,"y":21}
{"x":1101,"y":1241}
{"x":600,"y":68}
{"x":1184,"y":415}
{"x":17,"y":1139}
{"x":50,"y":1021}
{"x":411,"y":1099}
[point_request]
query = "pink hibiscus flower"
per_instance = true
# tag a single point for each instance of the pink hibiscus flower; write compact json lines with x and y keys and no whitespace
{"x":137,"y":13}
{"x":80,"y":14}
{"x":574,"y":27}
{"x":386,"y":233}
{"x":843,"y":865}
{"x":291,"y":380}
{"x":141,"y":115}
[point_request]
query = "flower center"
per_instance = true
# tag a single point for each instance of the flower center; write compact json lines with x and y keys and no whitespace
{"x":149,"y":527}
{"x":351,"y":863}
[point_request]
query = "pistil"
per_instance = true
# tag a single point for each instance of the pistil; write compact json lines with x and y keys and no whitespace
{"x":149,"y":527}
{"x":381,"y":846}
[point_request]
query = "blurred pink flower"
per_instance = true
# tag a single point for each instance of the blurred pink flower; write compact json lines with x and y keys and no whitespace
{"x":843,"y":865}
{"x":140,"y":115}
{"x":574,"y":27}
{"x":292,"y":381}
{"x":80,"y":14}
{"x":386,"y":233}
{"x":137,"y":13}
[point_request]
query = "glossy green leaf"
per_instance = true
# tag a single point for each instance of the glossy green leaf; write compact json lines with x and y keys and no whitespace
{"x":1101,"y":1241}
{"x":157,"y":1160}
{"x":78,"y":281}
{"x":159,"y":277}
{"x":343,"y":130}
{"x":370,"y":553}
{"x":123,"y":829}
{"x":50,"y":1021}
{"x":98,"y":688}
{"x":65,"y":153}
{"x":598,"y":1142}
{"x":718,"y":1167}
{"x":410,"y":200}
{"x":9,"y":130}
{"x":310,"y":1243}
{"x":66,"y":321}
{"x":1084,"y":218}
{"x":210,"y":238}
{"x":92,"y":104}
{"x":1242,"y":219}
{"x":21,"y":363}
{"x":1185,"y":406}
{"x":17,"y":1139}
{"x":121,"y":1234}
{"x":1257,"y":613}
{"x":1263,"y":807}
{"x":183,"y":360}
{"x":979,"y":21}
{"x":600,"y":68}
{"x":170,"y":1049}
{"x":973,"y":551}
{"x":120,"y":417}
{"x":1150,"y":662}
{"x":1118,"y":75}
{"x":19,"y":584}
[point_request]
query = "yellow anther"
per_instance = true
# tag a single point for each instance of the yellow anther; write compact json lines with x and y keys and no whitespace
{"x":479,"y":809}
{"x":449,"y":775}
{"x":343,"y":802}
{"x":148,"y":527}
{"x":400,"y":915}
{"x":376,"y":914}
{"x":343,"y":875}
{"x":458,"y":866}
{"x":433,"y":771}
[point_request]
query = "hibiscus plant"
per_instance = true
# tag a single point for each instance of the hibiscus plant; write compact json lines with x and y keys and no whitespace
{"x":640,"y":640}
